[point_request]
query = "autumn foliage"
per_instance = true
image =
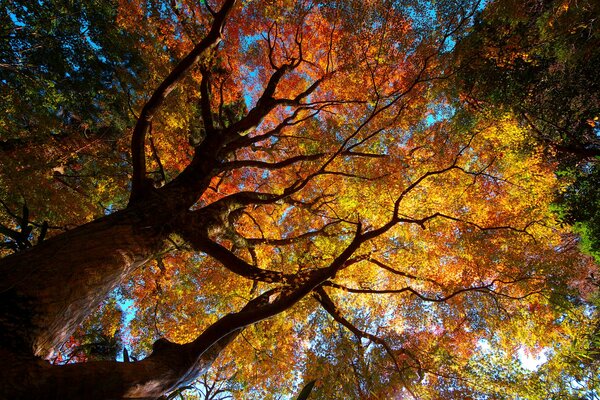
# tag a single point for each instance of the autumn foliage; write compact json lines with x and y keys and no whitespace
{"x":258,"y":194}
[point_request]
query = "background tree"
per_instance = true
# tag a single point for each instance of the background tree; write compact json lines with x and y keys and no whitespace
{"x":297,"y":160}
{"x":69,"y":79}
{"x":536,"y":60}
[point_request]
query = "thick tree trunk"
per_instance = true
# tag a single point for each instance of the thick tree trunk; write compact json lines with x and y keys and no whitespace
{"x":46,"y":291}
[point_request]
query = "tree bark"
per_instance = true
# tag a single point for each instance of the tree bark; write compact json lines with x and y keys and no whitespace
{"x":47,"y":291}
{"x":169,"y":366}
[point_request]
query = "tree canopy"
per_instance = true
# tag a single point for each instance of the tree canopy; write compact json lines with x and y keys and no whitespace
{"x":229,"y":199}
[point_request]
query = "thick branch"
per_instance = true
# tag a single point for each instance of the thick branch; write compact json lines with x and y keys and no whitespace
{"x":229,"y":260}
{"x":263,"y":106}
{"x":152,"y":106}
{"x":312,"y":108}
{"x":421,"y":222}
{"x":579,"y":149}
{"x":205,"y":107}
{"x":168,"y":367}
{"x":292,"y":239}
{"x":267,"y":102}
{"x":398,"y":272}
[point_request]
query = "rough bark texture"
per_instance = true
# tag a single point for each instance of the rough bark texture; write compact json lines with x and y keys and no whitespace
{"x":168,"y":367}
{"x":46,"y":291}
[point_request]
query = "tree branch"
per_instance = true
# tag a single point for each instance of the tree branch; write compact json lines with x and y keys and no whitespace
{"x":291,"y":239}
{"x":421,"y":222}
{"x":267,"y":102}
{"x":488,"y":288}
{"x":205,"y":107}
{"x":244,"y":141}
{"x":229,"y":260}
{"x":322,"y":297}
{"x":397,"y":272}
{"x":228,"y":166}
{"x":138,"y":181}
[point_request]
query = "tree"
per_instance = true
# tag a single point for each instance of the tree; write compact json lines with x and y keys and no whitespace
{"x":536,"y":61}
{"x":283,"y":167}
{"x":69,"y":79}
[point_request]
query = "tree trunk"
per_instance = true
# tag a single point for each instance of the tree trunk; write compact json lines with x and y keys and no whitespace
{"x":47,"y":291}
{"x":170,"y":365}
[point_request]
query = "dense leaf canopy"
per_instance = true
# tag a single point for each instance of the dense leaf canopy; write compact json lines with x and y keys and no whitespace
{"x":386,"y":194}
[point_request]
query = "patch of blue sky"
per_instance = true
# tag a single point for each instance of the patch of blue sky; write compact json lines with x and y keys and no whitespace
{"x":265,"y":174}
{"x":129,"y":311}
{"x":109,"y":209}
{"x":281,"y":220}
{"x":15,"y":20}
{"x":439,"y":112}
{"x":251,"y":40}
{"x":425,"y":17}
{"x":584,"y":388}
{"x":422,"y":13}
{"x":250,"y":81}
{"x":83,"y":30}
{"x":248,"y":44}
